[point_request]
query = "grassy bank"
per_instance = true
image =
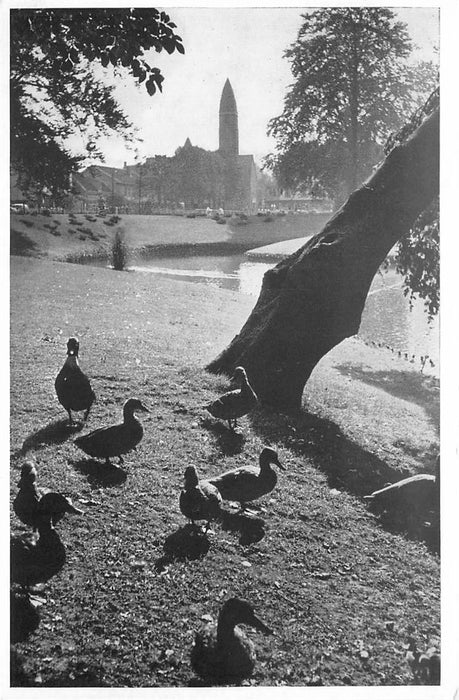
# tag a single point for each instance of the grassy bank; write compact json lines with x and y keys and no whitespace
{"x":67,"y":237}
{"x":342,"y":590}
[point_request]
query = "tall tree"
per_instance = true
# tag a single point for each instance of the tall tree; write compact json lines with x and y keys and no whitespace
{"x":55,"y":91}
{"x":352,"y":87}
{"x":313,"y":299}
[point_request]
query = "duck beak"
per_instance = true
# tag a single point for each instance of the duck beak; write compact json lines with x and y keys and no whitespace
{"x":259,"y":625}
{"x":144,"y":408}
{"x":281,"y":466}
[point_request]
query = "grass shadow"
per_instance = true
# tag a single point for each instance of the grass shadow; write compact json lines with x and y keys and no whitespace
{"x":51,"y":434}
{"x":417,"y":388}
{"x":228,"y":441}
{"x":186,"y":543}
{"x":100,"y":474}
{"x":21,"y":244}
{"x":347,"y":466}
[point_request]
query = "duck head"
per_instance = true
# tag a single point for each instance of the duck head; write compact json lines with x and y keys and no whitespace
{"x":270,"y":456}
{"x":236,"y":611}
{"x":191,"y":477}
{"x":73,"y":347}
{"x":28,"y":474}
{"x":55,"y":503}
{"x":132,"y":406}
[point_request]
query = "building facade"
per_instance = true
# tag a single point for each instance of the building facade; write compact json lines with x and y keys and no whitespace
{"x":228,"y":180}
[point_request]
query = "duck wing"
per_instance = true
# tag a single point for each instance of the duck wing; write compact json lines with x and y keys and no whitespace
{"x":201,"y":502}
{"x":112,"y":441}
{"x":239,"y":484}
{"x":230,"y":661}
{"x":226,"y":406}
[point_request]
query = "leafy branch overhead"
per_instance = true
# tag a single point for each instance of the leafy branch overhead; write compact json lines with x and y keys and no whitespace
{"x":118,"y":36}
{"x":57,"y":91}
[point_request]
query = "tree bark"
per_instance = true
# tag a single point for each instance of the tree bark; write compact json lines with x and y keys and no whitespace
{"x":314,"y":299}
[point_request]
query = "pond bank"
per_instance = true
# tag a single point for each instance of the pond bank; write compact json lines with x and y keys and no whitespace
{"x":62,"y":237}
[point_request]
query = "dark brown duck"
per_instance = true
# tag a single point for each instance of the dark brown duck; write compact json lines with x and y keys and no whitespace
{"x":73,"y":387}
{"x":116,"y":440}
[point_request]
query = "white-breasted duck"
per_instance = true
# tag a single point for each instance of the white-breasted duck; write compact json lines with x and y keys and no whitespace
{"x":116,"y":440}
{"x":222,"y":652}
{"x":236,"y":403}
{"x":73,"y":387}
{"x":245,"y":484}
{"x":199,"y":500}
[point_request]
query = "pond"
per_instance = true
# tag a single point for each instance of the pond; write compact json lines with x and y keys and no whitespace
{"x":387,"y":318}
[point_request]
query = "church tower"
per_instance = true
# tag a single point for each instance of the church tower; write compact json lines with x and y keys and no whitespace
{"x":228,"y":132}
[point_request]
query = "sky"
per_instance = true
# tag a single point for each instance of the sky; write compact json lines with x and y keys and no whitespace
{"x":245,"y":45}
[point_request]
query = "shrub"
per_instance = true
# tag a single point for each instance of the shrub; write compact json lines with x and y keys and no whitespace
{"x":119,"y":252}
{"x":27,"y":222}
{"x":84,"y":229}
{"x":82,"y":237}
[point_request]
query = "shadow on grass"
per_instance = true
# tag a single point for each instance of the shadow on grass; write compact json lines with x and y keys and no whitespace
{"x":417,"y":388}
{"x":100,"y":474}
{"x":24,"y":617}
{"x":21,"y":244}
{"x":251,"y":529}
{"x":186,"y":543}
{"x":51,"y":434}
{"x":229,"y":442}
{"x":347,"y":466}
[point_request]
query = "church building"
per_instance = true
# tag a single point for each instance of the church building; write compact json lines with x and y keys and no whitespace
{"x":237,"y":189}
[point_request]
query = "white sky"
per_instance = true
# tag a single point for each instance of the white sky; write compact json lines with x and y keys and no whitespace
{"x":245,"y":45}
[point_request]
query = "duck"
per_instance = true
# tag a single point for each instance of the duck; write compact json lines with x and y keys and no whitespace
{"x":248,"y":483}
{"x":55,"y":505}
{"x":419,"y":493}
{"x":26,"y":501}
{"x":234,"y":404}
{"x":199,"y":499}
{"x":222,"y":651}
{"x":73,"y":387}
{"x":115,"y":440}
{"x":36,"y":561}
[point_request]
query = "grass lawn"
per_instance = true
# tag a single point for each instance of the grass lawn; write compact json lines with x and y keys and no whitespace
{"x":63,"y":236}
{"x":342,"y":590}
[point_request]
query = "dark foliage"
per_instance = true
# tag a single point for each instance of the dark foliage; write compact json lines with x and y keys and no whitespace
{"x":54,"y":90}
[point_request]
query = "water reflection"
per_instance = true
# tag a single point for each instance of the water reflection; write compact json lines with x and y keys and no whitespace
{"x":386,"y":319}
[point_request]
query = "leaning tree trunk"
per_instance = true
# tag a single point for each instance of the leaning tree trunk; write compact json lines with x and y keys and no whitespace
{"x":314,"y":299}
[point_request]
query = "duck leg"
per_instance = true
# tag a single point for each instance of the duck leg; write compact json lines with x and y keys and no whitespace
{"x":86,"y":414}
{"x":107,"y":462}
{"x":121,"y":459}
{"x":70,"y":416}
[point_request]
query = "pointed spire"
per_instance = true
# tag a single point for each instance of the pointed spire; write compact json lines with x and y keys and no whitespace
{"x":187,"y":143}
{"x":228,"y":132}
{"x":228,"y":101}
